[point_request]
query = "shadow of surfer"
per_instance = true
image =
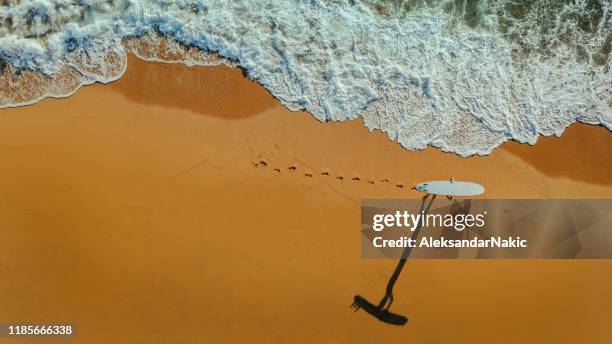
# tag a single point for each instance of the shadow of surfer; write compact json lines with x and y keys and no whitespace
{"x":381,"y":311}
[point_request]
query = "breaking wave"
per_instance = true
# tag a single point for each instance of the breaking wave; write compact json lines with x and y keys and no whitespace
{"x":464,"y":76}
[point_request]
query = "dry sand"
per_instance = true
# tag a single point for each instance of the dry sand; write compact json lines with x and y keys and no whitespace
{"x":134,"y":210}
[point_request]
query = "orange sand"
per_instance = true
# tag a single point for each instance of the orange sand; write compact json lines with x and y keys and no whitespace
{"x":134,"y":211}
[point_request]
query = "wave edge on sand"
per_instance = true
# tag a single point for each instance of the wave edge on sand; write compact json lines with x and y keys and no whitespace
{"x":419,"y":76}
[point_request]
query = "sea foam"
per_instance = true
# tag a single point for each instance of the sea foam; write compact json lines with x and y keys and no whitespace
{"x":421,"y":76}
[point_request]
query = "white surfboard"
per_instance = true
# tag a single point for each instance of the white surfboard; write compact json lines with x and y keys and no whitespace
{"x":451,"y":188}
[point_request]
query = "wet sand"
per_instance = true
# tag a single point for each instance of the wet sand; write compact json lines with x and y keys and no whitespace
{"x":135,"y":211}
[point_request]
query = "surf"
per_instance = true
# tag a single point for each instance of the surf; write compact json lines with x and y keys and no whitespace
{"x":464,"y":76}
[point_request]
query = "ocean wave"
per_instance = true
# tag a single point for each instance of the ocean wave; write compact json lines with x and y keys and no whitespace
{"x":464,"y":76}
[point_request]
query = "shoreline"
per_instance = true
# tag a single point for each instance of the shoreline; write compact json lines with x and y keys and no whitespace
{"x":220,"y":63}
{"x":189,"y":86}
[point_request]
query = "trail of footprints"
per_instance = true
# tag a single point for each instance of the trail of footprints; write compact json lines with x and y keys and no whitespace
{"x":293,"y":168}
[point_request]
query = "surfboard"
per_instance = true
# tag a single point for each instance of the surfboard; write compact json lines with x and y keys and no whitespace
{"x":451,"y":188}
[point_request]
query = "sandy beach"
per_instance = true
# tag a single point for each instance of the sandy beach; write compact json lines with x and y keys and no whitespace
{"x":141,"y":212}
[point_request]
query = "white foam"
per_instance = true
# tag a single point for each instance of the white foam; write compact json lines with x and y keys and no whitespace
{"x":421,"y":78}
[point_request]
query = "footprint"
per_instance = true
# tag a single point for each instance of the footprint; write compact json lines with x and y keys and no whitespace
{"x":401,"y":186}
{"x":324,"y":173}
